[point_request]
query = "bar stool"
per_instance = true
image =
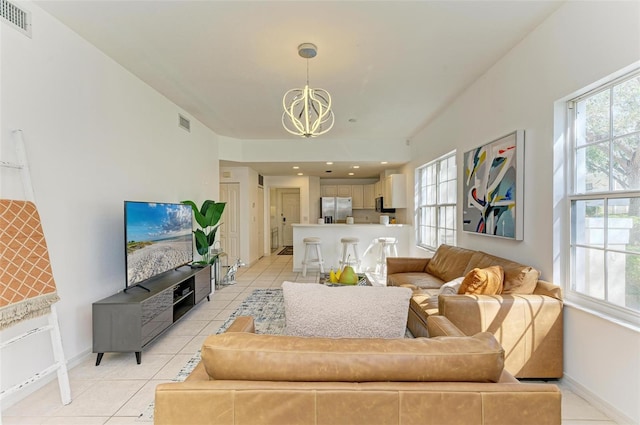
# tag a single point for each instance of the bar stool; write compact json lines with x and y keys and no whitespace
{"x":346,"y":257}
{"x":388,"y":248}
{"x":311,"y":244}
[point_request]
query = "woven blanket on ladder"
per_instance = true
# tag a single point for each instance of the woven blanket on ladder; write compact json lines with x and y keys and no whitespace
{"x":27,"y":288}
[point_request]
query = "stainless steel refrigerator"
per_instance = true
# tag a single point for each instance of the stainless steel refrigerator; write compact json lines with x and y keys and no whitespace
{"x":335,"y":209}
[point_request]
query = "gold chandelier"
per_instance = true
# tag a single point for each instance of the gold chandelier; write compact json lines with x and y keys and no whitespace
{"x":307,"y":111}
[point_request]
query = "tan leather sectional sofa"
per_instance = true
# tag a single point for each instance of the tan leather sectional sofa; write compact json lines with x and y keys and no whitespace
{"x":245,"y":378}
{"x":526,"y":318}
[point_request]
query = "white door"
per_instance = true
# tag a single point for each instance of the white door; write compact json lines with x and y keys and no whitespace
{"x":290,"y":215}
{"x":230,"y":228}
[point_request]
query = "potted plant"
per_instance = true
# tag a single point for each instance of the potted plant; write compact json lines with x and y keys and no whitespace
{"x":208,"y":218}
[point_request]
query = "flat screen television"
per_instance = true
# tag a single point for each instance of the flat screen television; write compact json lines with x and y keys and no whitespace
{"x":158,"y":238}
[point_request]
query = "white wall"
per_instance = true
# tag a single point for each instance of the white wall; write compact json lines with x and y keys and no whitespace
{"x":95,"y":136}
{"x":579,"y":44}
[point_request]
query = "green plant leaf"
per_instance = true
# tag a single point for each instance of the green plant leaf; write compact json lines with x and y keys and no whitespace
{"x":202,"y":244}
{"x":208,"y":218}
{"x":200,"y":218}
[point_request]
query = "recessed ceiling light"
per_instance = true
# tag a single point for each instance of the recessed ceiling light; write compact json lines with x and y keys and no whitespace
{"x":295,"y":167}
{"x":301,"y":174}
{"x":351,"y":174}
{"x":356,"y":166}
{"x":329,"y":163}
{"x":384,"y":162}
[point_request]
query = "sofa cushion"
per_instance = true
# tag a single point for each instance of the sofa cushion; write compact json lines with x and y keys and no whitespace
{"x":452,"y":286}
{"x":350,"y":311}
{"x":518,"y":278}
{"x":449,"y":262}
{"x":245,"y":356}
{"x":487,"y":281}
{"x":424,"y":304}
{"x":420,"y":280}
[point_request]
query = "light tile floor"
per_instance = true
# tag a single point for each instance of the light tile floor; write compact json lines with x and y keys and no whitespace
{"x":118,"y":390}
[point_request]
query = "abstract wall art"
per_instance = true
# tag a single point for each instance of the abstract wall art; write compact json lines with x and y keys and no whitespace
{"x":493,"y":188}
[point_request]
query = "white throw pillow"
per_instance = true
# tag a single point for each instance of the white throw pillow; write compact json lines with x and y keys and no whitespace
{"x":345,"y":312}
{"x":451,"y":287}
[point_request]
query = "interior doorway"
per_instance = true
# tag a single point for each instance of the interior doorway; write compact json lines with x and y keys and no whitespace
{"x":284,"y":210}
{"x":290,"y":215}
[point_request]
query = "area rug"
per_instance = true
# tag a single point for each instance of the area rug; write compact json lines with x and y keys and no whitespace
{"x":266,"y":306}
{"x":287,"y":250}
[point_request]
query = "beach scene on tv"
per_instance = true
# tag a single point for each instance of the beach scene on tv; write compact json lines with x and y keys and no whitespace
{"x":158,"y":238}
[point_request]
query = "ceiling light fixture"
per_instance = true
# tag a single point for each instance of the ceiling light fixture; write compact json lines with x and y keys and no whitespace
{"x":307,"y":112}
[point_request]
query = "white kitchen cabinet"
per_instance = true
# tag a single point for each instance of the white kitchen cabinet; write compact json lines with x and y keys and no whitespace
{"x":369,"y":197}
{"x":357,"y":197}
{"x":395,"y":191}
{"x":329,"y":190}
{"x":378,"y":189}
{"x":344,"y":190}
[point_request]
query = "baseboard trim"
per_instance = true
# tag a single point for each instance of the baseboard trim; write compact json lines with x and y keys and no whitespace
{"x":30,"y":389}
{"x":606,"y":408}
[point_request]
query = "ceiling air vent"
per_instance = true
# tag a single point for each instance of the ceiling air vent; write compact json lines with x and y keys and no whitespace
{"x":183,"y":122}
{"x":18,"y":18}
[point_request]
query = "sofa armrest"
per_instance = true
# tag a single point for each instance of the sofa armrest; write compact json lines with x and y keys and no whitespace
{"x":549,"y":289}
{"x":406,"y":264}
{"x":242,"y":324}
{"x":441,"y":326}
{"x":529,"y":327}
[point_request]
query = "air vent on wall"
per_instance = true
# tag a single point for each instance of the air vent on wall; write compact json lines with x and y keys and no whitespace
{"x":184,"y":123}
{"x":20,"y":19}
{"x":260,"y":180}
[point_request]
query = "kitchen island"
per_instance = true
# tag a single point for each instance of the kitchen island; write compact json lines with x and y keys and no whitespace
{"x":332,"y":248}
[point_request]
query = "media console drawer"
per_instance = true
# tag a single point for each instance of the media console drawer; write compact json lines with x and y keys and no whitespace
{"x":127,"y":321}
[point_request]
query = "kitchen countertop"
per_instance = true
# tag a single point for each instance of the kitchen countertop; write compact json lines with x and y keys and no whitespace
{"x":350,"y":225}
{"x":368,"y":235}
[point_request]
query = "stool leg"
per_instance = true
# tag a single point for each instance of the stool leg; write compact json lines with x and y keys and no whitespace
{"x":304,"y":262}
{"x":320,"y":260}
{"x":344,"y":254}
{"x":357,"y":257}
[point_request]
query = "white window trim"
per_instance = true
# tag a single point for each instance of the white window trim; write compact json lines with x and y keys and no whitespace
{"x":418,"y":204}
{"x":601,"y":308}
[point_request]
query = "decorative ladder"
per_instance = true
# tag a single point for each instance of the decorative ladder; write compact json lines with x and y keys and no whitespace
{"x":60,"y":364}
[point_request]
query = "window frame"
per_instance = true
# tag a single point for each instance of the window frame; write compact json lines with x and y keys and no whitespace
{"x":436,"y":206}
{"x":602,"y":306}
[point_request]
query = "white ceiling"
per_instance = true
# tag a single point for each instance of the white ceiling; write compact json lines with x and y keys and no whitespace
{"x":389,"y":65}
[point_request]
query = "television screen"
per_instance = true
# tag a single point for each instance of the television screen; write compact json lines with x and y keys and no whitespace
{"x":158,"y":238}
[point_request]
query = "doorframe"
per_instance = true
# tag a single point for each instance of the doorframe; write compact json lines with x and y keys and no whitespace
{"x":278,"y":190}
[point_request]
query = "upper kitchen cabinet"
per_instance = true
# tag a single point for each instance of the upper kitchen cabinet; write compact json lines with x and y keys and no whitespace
{"x":395,"y":191}
{"x":357,"y":197}
{"x":344,"y":190}
{"x":378,"y":189}
{"x":329,"y":190}
{"x":369,"y":197}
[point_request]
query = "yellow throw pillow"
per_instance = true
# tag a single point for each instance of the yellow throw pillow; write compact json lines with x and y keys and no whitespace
{"x":487,"y":281}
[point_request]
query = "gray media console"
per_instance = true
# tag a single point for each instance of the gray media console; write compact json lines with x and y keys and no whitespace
{"x":127,"y":321}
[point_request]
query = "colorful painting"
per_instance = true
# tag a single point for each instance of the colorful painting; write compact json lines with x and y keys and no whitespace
{"x":493,"y":188}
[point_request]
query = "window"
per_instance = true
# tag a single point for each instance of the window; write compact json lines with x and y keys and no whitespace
{"x":605,"y":197}
{"x":436,"y":188}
